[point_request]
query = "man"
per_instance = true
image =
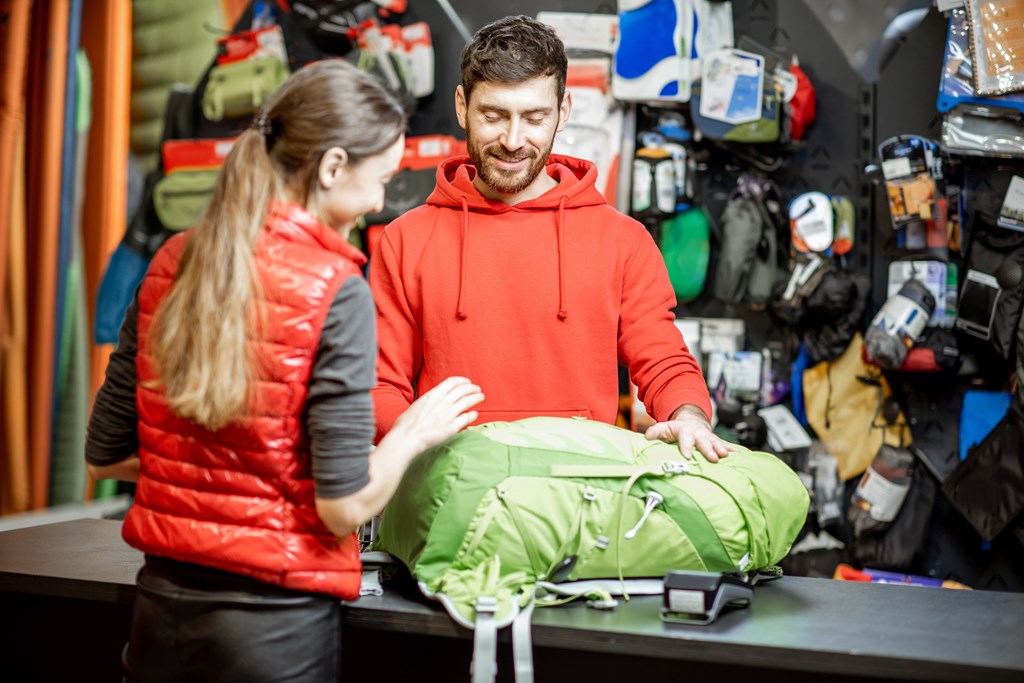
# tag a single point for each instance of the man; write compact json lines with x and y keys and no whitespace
{"x":518,"y":274}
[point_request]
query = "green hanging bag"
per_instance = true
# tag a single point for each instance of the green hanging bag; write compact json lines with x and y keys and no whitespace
{"x":240,"y":88}
{"x":180,"y":197}
{"x":686,"y":247}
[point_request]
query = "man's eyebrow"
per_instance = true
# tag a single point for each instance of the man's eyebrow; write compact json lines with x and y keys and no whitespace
{"x":495,"y":109}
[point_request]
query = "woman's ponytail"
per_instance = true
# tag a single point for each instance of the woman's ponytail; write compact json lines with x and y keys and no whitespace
{"x":199,"y":337}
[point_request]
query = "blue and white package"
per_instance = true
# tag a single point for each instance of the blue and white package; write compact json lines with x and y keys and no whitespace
{"x":652,"y":53}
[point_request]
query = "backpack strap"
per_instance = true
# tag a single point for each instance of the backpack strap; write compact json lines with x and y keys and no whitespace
{"x":485,"y":642}
{"x":560,"y":593}
{"x":522,"y":642}
{"x":484,"y":668}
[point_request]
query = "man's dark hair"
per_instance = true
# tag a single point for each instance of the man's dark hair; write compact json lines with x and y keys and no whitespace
{"x":514,"y":50}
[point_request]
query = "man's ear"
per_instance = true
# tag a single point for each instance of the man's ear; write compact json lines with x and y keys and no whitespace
{"x":461,"y":105}
{"x":564,"y":110}
{"x":333,"y":165}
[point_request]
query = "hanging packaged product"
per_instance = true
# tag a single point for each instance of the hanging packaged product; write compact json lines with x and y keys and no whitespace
{"x":731,"y":84}
{"x":911,"y":167}
{"x":414,"y":49}
{"x":811,"y":222}
{"x":957,"y":84}
{"x":897,"y":325}
{"x":671,"y":132}
{"x":654,"y":182}
{"x":939,"y":277}
{"x":679,"y":172}
{"x":844,"y":215}
{"x":375,"y":57}
{"x":974,"y":130}
{"x":997,"y":43}
{"x":1011,"y":214}
{"x":652,"y":53}
{"x":252,"y":44}
{"x":881,"y":491}
{"x":735,"y":376}
{"x":827,"y":488}
{"x":765,"y":127}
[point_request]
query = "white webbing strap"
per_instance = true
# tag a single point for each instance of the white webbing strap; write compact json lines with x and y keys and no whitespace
{"x":522,"y":643}
{"x":575,"y":589}
{"x":484,"y":668}
{"x":605,"y":471}
{"x":371,"y":582}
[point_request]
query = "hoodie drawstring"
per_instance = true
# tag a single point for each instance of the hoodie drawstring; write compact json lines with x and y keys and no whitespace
{"x":562,"y":312}
{"x":459,"y":312}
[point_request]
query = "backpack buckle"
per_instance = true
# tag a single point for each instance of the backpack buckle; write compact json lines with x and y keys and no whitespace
{"x":675,"y":467}
{"x":486,"y":604}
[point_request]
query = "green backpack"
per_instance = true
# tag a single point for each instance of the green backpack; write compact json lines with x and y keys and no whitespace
{"x":685,"y":246}
{"x":501,"y":510}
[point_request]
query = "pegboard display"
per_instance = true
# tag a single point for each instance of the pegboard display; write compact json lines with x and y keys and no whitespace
{"x":866,"y":92}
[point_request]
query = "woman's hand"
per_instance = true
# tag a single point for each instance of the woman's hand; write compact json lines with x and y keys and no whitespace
{"x":439,"y":413}
{"x":432,"y":418}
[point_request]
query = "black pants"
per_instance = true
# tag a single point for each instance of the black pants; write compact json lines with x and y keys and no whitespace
{"x":193,"y":623}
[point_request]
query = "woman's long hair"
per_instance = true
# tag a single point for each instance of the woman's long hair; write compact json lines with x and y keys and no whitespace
{"x":199,"y":338}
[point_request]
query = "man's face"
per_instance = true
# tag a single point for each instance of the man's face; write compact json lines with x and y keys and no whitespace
{"x":510,"y":129}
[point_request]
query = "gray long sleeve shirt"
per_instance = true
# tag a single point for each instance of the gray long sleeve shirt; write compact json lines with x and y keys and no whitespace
{"x":339,"y":416}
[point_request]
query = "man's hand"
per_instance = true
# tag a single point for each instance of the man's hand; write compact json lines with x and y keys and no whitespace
{"x":689,"y":427}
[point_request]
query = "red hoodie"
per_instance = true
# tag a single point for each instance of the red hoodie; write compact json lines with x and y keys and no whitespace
{"x":538,"y":303}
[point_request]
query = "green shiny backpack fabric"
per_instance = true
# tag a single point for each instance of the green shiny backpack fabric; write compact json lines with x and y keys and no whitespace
{"x":502,"y":506}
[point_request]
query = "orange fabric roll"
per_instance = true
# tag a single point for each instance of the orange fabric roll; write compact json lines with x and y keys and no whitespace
{"x":12,"y":113}
{"x":107,"y":41}
{"x":15,"y":493}
{"x":46,"y":106}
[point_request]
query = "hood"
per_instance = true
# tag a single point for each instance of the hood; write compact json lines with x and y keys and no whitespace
{"x":576,"y":188}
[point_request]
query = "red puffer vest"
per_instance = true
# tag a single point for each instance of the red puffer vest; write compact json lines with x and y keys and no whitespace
{"x":241,"y":498}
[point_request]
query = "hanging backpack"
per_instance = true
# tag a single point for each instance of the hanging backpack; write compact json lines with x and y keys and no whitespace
{"x":498,"y":515}
{"x":685,"y":245}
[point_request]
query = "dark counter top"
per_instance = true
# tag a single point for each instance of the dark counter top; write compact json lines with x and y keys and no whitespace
{"x":794,"y":623}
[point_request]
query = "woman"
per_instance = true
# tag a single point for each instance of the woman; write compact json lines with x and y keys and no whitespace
{"x":238,"y":399}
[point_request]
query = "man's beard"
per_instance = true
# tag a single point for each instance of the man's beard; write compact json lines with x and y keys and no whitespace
{"x":499,"y":179}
